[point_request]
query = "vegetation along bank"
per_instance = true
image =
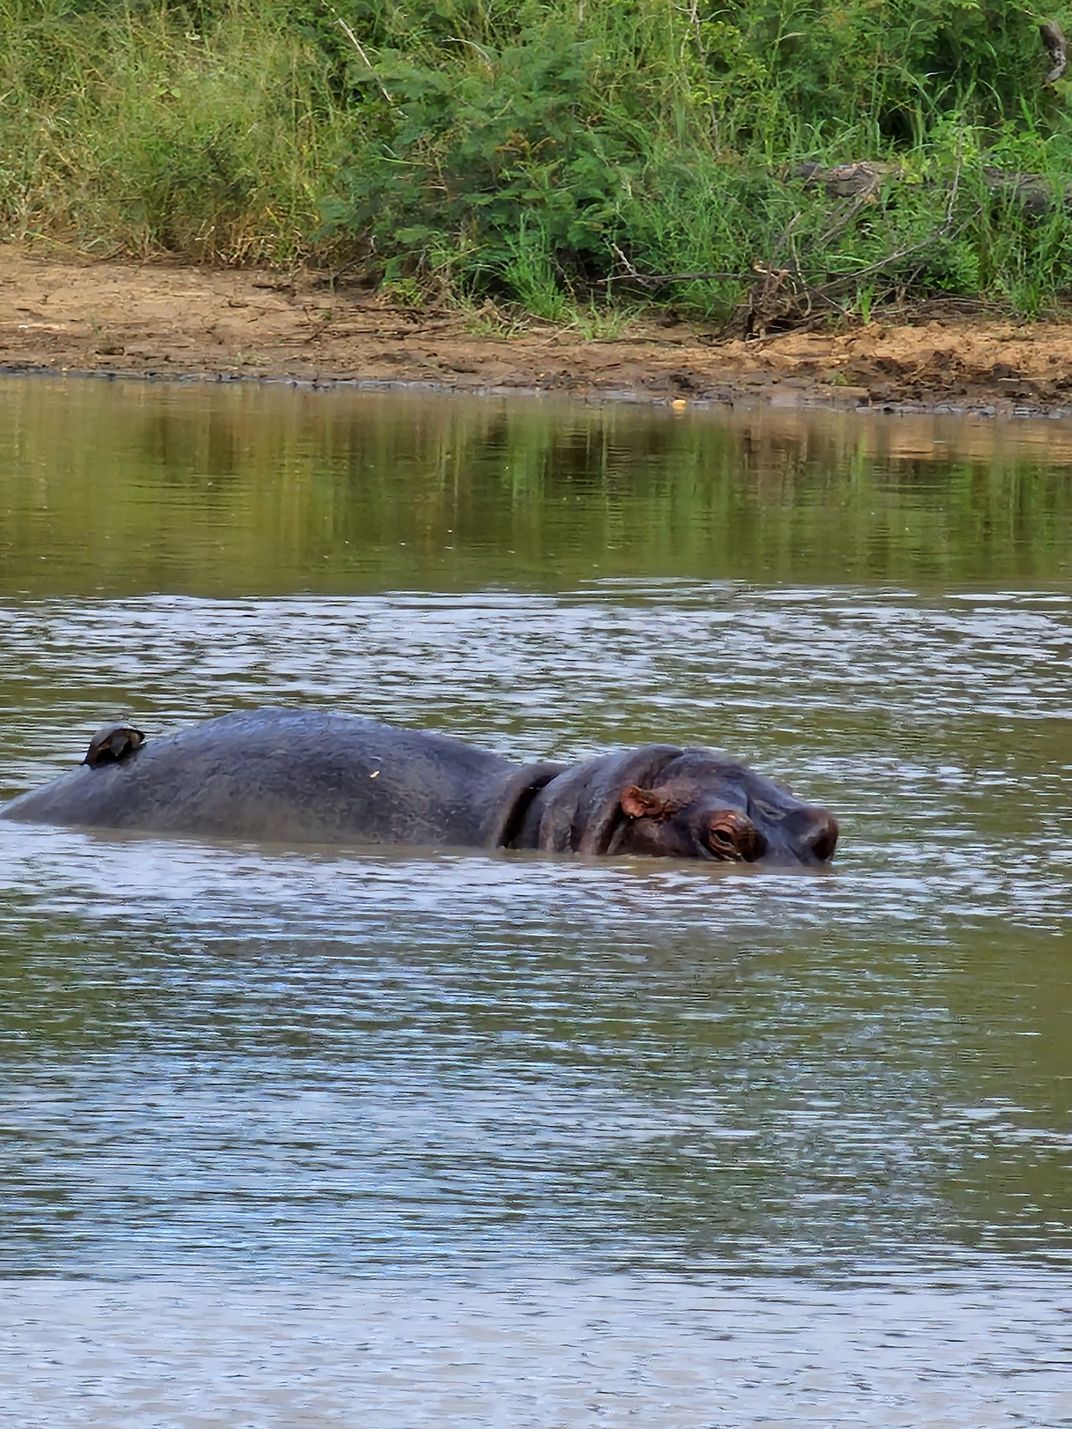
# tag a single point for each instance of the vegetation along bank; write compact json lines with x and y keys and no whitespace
{"x":749,"y":169}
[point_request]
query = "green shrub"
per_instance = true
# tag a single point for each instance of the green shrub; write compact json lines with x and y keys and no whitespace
{"x":545,"y":152}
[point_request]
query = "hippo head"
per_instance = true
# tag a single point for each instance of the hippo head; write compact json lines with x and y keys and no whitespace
{"x":703,"y":805}
{"x":677,"y":803}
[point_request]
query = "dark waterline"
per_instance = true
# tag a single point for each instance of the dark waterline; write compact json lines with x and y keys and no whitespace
{"x":519,"y":1140}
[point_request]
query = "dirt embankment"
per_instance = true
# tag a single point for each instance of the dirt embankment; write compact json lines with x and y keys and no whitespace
{"x":165,"y":321}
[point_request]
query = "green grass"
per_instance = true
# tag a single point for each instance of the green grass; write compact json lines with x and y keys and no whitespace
{"x":550,"y":155}
{"x":136,"y":130}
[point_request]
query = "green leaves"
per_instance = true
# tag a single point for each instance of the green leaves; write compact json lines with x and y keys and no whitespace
{"x":509,"y":151}
{"x":542,"y":151}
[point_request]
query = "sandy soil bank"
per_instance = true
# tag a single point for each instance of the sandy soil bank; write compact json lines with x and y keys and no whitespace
{"x":167,"y":321}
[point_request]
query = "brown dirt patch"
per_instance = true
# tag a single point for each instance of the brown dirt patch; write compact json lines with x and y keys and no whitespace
{"x":169,"y":321}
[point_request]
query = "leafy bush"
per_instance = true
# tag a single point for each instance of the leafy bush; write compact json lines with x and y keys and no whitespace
{"x":496,"y":168}
{"x":544,"y":152}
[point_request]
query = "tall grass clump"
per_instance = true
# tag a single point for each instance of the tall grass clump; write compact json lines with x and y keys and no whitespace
{"x":147,"y":129}
{"x":549,"y":154}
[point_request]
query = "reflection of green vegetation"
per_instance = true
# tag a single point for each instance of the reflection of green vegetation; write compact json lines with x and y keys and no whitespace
{"x":255,"y":490}
{"x":540,"y":150}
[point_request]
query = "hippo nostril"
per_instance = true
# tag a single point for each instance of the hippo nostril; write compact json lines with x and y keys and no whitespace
{"x":823,"y":839}
{"x":723,"y":843}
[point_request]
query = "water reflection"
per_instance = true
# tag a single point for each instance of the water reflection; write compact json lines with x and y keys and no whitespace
{"x":338,"y":492}
{"x":626,"y":1100}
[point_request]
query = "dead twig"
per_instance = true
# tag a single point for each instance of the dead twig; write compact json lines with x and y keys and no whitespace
{"x":656,"y":278}
{"x":481,"y":51}
{"x":359,"y":47}
{"x":633,"y":274}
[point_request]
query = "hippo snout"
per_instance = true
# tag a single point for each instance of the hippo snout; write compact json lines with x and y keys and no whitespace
{"x":822,"y":835}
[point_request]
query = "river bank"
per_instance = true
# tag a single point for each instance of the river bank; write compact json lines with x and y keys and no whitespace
{"x":171,"y":321}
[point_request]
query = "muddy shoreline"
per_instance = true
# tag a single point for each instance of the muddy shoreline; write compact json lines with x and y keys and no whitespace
{"x":164,"y":321}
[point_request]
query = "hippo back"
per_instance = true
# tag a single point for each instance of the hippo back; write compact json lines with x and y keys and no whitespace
{"x":292,"y":774}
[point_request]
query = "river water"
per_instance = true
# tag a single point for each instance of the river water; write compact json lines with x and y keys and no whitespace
{"x":301,"y":1137}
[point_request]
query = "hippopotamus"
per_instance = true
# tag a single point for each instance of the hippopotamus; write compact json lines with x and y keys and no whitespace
{"x":310,"y":776}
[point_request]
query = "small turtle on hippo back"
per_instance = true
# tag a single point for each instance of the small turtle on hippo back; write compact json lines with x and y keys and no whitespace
{"x":113,"y":742}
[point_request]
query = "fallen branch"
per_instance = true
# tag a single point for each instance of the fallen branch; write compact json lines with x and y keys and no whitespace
{"x":863,"y":180}
{"x":786,"y":298}
{"x":782,"y":297}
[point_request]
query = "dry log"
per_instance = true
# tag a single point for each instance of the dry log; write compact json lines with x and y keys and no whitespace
{"x":1052,"y":37}
{"x":1033,"y":192}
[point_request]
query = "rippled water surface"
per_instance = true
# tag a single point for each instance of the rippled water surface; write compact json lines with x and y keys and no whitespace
{"x":304,"y":1136}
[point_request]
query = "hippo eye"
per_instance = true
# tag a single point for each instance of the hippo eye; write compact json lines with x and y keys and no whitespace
{"x":734,"y":836}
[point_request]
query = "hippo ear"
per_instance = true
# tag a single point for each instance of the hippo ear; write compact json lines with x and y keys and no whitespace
{"x":640,"y":803}
{"x":582,"y":810}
